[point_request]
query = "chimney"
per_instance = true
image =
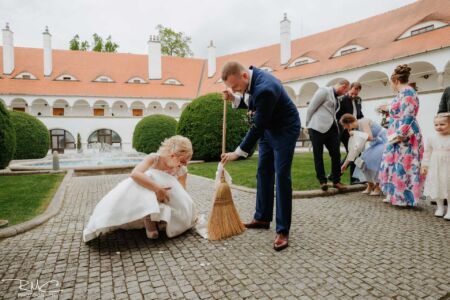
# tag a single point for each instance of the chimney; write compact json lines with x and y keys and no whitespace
{"x":154,"y":57}
{"x":285,"y":40}
{"x":211,"y":59}
{"x":8,"y":51}
{"x":48,"y":65}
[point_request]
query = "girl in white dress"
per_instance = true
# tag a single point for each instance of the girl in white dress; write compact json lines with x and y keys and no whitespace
{"x":153,"y":197}
{"x":436,"y":165}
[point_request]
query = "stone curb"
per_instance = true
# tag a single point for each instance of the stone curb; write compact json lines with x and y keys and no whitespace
{"x":52,"y":209}
{"x":301,"y":194}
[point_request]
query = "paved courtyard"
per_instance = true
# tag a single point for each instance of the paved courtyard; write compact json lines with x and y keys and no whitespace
{"x":342,"y":247}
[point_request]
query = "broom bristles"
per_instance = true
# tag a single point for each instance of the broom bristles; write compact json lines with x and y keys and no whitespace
{"x":224,"y":220}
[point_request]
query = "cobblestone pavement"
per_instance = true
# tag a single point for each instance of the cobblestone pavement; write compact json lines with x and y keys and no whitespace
{"x":342,"y":247}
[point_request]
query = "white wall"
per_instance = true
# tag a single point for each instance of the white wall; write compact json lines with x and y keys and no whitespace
{"x":85,"y":126}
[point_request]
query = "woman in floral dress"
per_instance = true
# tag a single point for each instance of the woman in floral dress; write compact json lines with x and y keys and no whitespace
{"x":400,"y":177}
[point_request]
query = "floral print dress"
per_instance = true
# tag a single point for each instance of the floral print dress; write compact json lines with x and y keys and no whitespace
{"x":399,"y":174}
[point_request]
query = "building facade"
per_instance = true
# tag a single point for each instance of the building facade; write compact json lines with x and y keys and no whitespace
{"x":102,"y":96}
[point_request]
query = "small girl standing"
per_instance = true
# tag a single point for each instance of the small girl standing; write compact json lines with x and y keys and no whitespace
{"x":153,"y":195}
{"x":436,"y":164}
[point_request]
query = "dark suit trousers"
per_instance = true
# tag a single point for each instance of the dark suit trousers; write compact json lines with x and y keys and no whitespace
{"x":276,"y":151}
{"x":331,"y":141}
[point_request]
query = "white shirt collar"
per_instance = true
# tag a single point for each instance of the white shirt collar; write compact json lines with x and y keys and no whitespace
{"x":250,"y":75}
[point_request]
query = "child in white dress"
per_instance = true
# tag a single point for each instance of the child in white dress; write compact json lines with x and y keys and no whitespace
{"x":154,"y":196}
{"x":436,"y":165}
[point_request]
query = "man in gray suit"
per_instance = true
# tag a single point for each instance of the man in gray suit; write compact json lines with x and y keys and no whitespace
{"x":324,"y":131}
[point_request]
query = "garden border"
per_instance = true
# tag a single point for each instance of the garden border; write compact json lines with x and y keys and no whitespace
{"x":52,"y":209}
{"x":301,"y":194}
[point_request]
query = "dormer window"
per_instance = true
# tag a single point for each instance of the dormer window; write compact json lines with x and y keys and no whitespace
{"x":103,"y":79}
{"x":66,"y":77}
{"x":172,"y":81}
{"x":348,"y":50}
{"x":136,"y":80}
{"x":267,"y":69}
{"x":304,"y":60}
{"x":422,"y":28}
{"x":26,"y":76}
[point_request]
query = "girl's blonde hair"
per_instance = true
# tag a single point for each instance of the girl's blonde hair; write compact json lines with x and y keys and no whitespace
{"x":178,"y":145}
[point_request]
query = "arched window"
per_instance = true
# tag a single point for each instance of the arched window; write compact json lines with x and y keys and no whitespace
{"x":61,"y":139}
{"x":66,"y":77}
{"x":422,"y":28}
{"x":105,"y":136}
{"x":25,"y":75}
{"x":103,"y":78}
{"x":172,"y":81}
{"x":348,"y":50}
{"x":304,"y":60}
{"x":267,"y":69}
{"x":136,"y":80}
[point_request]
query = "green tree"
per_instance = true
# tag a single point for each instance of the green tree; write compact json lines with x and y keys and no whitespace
{"x":110,"y":46}
{"x":76,"y":44}
{"x":99,"y":45}
{"x":174,"y":43}
{"x":84,"y":46}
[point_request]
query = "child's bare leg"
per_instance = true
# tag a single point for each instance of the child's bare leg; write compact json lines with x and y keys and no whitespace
{"x":150,"y":228}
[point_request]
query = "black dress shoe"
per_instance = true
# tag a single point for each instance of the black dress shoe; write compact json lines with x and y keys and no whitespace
{"x":324,"y":187}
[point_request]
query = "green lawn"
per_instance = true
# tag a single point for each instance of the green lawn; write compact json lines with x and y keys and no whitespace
{"x":243,"y":172}
{"x":23,"y":197}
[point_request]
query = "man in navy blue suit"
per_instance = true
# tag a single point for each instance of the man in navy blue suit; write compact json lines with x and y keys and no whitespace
{"x":275,"y":122}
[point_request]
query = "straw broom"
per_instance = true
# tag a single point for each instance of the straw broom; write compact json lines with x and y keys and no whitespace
{"x":224,"y":220}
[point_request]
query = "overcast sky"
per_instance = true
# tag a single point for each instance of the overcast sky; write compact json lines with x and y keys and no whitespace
{"x":234,"y":25}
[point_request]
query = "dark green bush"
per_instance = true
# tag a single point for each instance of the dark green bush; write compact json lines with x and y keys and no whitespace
{"x":7,"y":138}
{"x":32,"y":136}
{"x":151,"y":131}
{"x":201,"y":121}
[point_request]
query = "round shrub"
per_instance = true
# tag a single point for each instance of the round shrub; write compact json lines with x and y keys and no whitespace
{"x":201,"y":121}
{"x":7,"y":138}
{"x":32,"y":137}
{"x":151,"y":131}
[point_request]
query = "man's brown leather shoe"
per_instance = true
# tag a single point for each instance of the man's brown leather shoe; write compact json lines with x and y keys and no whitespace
{"x":281,"y":241}
{"x":339,"y":186}
{"x":255,"y":224}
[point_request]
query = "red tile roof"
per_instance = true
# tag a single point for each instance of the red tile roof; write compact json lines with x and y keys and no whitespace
{"x":378,"y":34}
{"x":87,"y":66}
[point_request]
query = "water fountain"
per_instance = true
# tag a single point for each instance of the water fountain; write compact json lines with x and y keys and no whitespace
{"x":97,"y":157}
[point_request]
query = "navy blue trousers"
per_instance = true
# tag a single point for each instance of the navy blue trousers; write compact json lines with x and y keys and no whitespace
{"x":276,"y":151}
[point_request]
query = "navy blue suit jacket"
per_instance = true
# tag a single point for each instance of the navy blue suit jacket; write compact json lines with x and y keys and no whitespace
{"x":271,"y":107}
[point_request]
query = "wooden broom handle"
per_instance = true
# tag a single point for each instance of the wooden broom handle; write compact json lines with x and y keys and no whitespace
{"x":224,"y":126}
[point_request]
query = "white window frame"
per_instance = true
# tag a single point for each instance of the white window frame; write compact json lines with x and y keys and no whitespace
{"x":28,"y":76}
{"x":422,"y":27}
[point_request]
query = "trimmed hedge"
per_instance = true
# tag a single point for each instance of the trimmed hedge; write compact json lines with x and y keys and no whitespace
{"x":201,"y":121}
{"x":7,"y":138}
{"x":32,"y":136}
{"x":151,"y":131}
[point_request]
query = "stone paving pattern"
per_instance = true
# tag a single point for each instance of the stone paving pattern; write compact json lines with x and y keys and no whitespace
{"x":342,"y":247}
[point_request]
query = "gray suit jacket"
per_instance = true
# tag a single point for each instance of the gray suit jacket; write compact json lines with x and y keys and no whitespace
{"x":321,"y":112}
